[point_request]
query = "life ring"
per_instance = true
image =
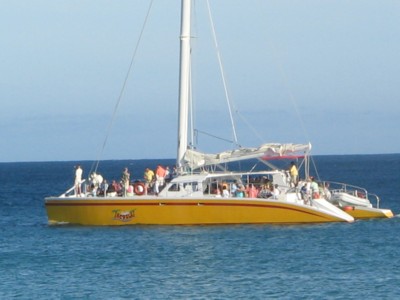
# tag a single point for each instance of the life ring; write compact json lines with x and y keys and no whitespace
{"x":139,"y":188}
{"x":348,"y":208}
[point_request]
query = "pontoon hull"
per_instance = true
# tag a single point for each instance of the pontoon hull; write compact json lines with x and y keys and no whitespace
{"x":146,"y":210}
{"x":359,"y":212}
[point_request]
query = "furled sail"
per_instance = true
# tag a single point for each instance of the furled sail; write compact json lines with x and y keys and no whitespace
{"x":194,"y":159}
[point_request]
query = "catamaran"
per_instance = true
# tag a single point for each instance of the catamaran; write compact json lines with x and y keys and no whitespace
{"x":203,"y":192}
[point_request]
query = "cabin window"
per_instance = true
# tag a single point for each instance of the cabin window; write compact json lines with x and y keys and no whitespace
{"x":187,"y":186}
{"x":174,"y":188}
{"x":191,"y":186}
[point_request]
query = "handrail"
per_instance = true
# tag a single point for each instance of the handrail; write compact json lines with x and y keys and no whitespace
{"x":346,"y":186}
{"x":71,"y":189}
{"x":377,"y":199}
{"x":352,"y":190}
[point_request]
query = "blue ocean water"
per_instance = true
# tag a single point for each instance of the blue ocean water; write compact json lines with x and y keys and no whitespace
{"x":325,"y":261}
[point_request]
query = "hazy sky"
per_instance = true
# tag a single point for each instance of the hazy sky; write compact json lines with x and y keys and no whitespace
{"x":325,"y":72}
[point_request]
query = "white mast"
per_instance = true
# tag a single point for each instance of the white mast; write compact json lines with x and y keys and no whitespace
{"x":184,"y":81}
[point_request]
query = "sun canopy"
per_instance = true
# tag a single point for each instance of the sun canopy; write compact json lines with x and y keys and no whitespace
{"x":194,"y":159}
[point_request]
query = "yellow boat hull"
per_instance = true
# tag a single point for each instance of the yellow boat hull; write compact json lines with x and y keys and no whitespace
{"x":359,"y":212}
{"x":117,"y":211}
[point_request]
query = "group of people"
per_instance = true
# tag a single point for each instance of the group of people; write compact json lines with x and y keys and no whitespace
{"x":251,"y":190}
{"x":97,"y":185}
{"x":311,"y":189}
{"x":154,"y":181}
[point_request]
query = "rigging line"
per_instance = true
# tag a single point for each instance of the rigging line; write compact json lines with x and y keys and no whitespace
{"x":123,"y":86}
{"x":254,"y":130}
{"x":315,"y":167}
{"x":267,"y":163}
{"x":222,"y":74}
{"x":289,"y":91}
{"x":214,"y":136}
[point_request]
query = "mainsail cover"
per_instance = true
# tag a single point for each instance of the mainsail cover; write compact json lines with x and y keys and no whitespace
{"x":194,"y":159}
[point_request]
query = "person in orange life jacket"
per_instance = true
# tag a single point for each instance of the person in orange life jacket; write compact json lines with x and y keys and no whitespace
{"x":160,"y":178}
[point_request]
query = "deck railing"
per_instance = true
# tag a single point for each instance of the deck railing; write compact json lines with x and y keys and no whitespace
{"x":353,"y":190}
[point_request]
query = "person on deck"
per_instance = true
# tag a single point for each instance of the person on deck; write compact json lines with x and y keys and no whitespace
{"x":104,"y":188}
{"x":240,"y":191}
{"x":168,"y":174}
{"x":78,"y":180}
{"x":314,"y":188}
{"x":95,"y":181}
{"x":234,"y":188}
{"x":125,"y":180}
{"x":225,"y":192}
{"x":174,"y":172}
{"x":148,"y":179}
{"x":294,"y":174}
{"x":251,"y":191}
{"x":113,"y":189}
{"x":265,"y":192}
{"x":160,"y":178}
{"x":275,"y":191}
{"x":326,"y":192}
